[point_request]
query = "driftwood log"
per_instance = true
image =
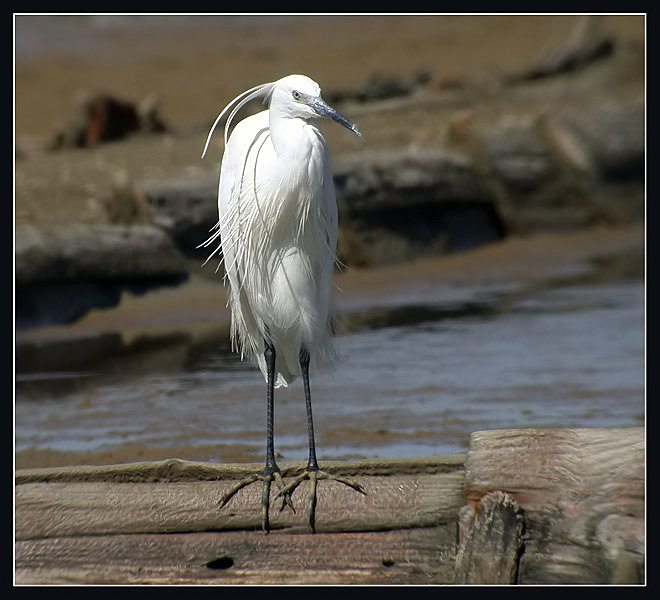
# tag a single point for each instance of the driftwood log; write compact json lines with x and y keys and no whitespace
{"x":523,"y":506}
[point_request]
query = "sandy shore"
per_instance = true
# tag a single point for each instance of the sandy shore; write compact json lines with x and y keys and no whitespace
{"x":197,"y":64}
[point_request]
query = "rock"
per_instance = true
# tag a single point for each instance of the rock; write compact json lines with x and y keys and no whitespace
{"x":399,"y":205}
{"x":516,"y":155}
{"x":186,"y":208}
{"x":586,"y":43}
{"x":98,"y":118}
{"x":610,"y":138}
{"x":99,"y":253}
{"x":560,"y":169}
{"x":62,"y":273}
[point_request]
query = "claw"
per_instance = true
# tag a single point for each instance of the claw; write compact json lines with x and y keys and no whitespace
{"x":314,"y":475}
{"x":286,"y":497}
{"x":227,"y":496}
{"x":267,"y":476}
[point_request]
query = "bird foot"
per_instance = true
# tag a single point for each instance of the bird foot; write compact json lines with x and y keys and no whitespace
{"x":314,"y":474}
{"x":268,"y":475}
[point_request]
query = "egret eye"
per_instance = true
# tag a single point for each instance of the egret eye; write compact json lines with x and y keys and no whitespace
{"x":296,"y":95}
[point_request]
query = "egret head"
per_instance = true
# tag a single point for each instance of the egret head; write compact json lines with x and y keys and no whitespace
{"x":299,"y":96}
{"x":294,"y":96}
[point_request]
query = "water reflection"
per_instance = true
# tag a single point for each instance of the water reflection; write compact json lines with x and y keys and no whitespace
{"x":42,"y":304}
{"x":410,"y":382}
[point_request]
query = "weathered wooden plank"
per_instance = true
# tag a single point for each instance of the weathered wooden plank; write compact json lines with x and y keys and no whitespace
{"x":418,"y":556}
{"x":94,"y":507}
{"x":535,"y":506}
{"x":582,"y":494}
{"x":175,"y":469}
{"x":490,"y":540}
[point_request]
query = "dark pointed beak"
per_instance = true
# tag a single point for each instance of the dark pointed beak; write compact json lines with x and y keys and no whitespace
{"x":327,"y":112}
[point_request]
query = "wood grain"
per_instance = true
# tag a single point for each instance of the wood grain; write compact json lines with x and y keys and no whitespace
{"x":165,"y":497}
{"x":416,"y":556}
{"x":582,"y":492}
{"x":523,"y":506}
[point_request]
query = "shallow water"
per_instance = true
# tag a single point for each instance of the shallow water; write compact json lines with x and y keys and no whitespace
{"x":569,"y":356}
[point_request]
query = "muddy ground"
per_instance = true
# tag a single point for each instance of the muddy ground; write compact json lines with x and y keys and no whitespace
{"x":199,"y":64}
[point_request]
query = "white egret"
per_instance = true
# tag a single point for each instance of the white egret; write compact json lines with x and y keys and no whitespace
{"x":278,"y":235}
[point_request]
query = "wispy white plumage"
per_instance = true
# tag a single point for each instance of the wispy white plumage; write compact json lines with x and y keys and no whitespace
{"x":278,"y":226}
{"x":278,"y":234}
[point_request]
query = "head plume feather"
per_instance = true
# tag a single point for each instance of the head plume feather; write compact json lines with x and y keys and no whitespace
{"x":260,"y":91}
